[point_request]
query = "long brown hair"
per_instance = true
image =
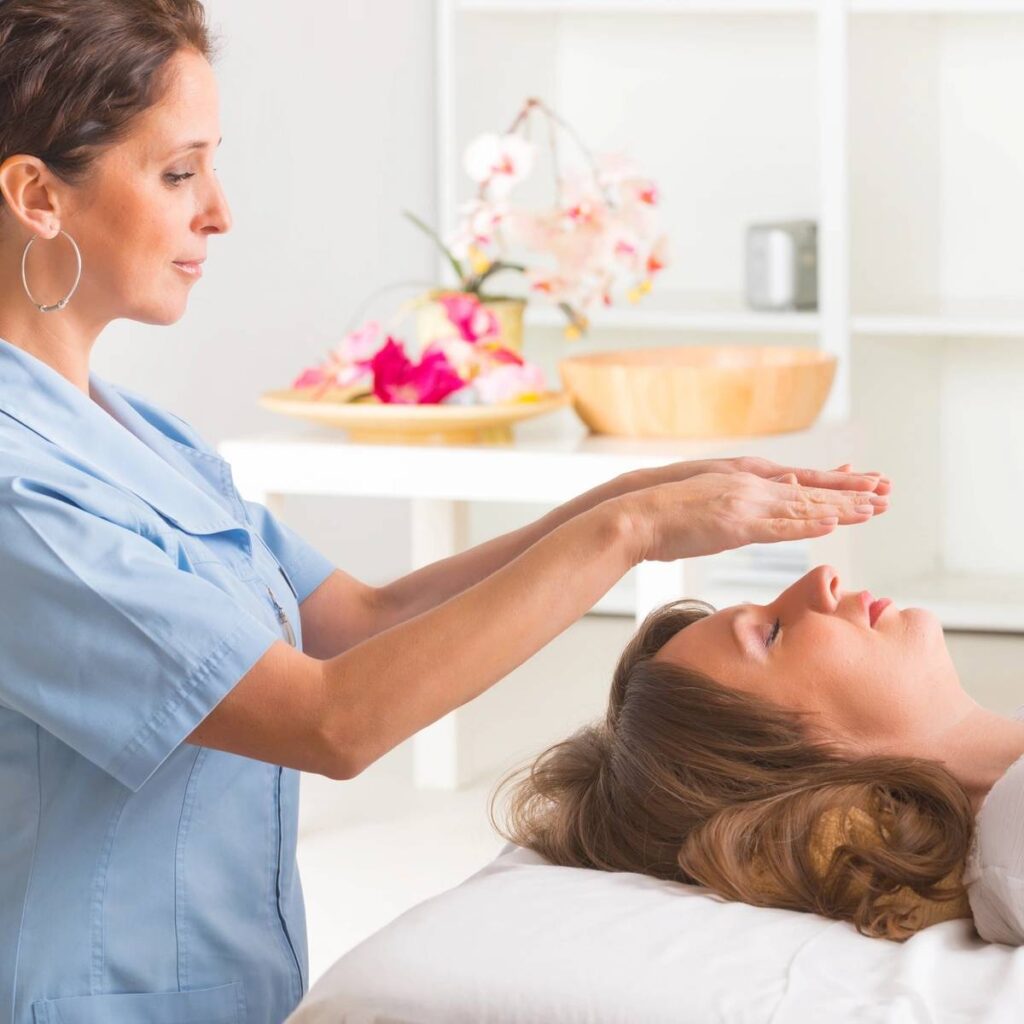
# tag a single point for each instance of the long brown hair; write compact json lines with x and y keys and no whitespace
{"x":686,"y":779}
{"x":75,"y":73}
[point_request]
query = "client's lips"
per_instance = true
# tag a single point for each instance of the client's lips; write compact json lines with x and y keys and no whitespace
{"x":876,"y":608}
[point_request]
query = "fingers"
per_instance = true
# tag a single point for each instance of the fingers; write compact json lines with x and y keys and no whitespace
{"x":882,"y":484}
{"x":852,"y":507}
{"x":841,"y":477}
{"x":828,"y":495}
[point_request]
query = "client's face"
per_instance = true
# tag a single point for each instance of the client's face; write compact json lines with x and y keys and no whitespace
{"x":881,"y":688}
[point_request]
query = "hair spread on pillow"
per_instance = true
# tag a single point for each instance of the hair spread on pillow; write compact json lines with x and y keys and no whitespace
{"x":686,"y":779}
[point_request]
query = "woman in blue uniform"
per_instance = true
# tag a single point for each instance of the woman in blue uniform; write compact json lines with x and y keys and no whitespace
{"x":172,"y":656}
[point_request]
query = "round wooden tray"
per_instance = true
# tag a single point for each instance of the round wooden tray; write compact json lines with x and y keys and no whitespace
{"x":369,"y":420}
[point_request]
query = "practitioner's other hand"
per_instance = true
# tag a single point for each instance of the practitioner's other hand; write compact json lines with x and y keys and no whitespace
{"x":840,"y":478}
{"x":713,"y":512}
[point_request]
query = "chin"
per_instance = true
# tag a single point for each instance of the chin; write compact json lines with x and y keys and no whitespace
{"x":161,"y":316}
{"x":924,"y":624}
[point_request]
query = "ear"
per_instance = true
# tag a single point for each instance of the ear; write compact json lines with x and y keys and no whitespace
{"x":29,"y":193}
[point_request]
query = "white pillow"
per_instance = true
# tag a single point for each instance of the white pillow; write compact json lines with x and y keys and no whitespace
{"x":526,"y":941}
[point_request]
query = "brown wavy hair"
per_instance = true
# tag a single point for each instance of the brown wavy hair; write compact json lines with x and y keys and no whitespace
{"x":689,"y":780}
{"x":74,"y":74}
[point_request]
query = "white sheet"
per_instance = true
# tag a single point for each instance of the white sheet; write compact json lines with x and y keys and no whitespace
{"x":523,"y":940}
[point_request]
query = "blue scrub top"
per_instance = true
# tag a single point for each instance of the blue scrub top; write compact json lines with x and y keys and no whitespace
{"x":142,"y":879}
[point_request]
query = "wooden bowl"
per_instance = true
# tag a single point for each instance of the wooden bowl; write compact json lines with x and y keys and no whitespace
{"x":707,"y":391}
{"x":369,"y":421}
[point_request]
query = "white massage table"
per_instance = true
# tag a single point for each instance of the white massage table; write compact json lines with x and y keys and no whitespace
{"x":525,"y":941}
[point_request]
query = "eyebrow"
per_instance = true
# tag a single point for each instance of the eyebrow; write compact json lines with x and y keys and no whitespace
{"x":196,"y":144}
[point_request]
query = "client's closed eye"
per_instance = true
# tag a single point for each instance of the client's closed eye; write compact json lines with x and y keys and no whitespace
{"x":773,"y":633}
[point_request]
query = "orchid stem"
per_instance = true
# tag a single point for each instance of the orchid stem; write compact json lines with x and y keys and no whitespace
{"x":431,"y":233}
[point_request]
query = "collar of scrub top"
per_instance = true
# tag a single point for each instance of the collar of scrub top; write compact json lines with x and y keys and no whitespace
{"x":136,"y":457}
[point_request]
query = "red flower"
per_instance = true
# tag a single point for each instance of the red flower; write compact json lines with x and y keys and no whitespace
{"x":396,"y":379}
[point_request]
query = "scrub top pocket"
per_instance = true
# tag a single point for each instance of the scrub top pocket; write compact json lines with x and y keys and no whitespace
{"x":224,"y":1004}
{"x":206,"y":551}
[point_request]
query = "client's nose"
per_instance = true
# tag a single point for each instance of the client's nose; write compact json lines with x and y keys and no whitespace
{"x":825,"y":584}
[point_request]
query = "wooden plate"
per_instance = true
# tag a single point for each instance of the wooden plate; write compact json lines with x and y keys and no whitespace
{"x":372,"y":421}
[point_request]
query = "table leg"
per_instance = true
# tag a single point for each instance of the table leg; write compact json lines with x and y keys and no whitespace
{"x":439,"y":530}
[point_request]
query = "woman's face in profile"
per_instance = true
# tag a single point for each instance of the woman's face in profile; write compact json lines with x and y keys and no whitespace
{"x":877,"y":687}
{"x":151,"y":203}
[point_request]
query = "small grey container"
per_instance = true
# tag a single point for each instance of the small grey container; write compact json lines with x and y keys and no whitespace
{"x":782,"y":265}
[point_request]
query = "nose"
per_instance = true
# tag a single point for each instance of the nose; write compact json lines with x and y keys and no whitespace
{"x":826,"y":584}
{"x":218,"y":219}
{"x":818,"y":590}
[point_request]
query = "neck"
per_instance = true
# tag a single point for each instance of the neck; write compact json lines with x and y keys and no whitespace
{"x":978,"y":749}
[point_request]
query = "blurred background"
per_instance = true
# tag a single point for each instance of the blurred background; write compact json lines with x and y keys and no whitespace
{"x":893,"y":125}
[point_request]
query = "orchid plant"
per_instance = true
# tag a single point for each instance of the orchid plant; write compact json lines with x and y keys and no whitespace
{"x":469,"y":367}
{"x":601,"y":230}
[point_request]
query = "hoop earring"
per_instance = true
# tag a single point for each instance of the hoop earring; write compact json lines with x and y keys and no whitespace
{"x":78,"y":276}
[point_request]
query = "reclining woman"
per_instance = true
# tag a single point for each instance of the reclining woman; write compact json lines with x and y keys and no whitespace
{"x":816,"y":753}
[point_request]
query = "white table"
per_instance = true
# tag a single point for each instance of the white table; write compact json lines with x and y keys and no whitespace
{"x":551,"y":460}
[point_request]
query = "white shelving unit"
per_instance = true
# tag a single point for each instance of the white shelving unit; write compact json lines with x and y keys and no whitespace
{"x":894,"y":124}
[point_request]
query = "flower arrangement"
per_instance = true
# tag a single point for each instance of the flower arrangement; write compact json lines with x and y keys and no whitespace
{"x":601,"y":230}
{"x":468,"y":367}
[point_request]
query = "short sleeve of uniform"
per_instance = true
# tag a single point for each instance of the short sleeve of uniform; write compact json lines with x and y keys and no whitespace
{"x":305,"y":565}
{"x":104,"y":641}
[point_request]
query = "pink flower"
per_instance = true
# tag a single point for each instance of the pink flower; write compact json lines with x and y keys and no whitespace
{"x":347,"y":364}
{"x":465,"y":357}
{"x":309,"y":378}
{"x":359,"y":346}
{"x":475,"y":323}
{"x":396,"y":379}
{"x":500,"y":354}
{"x":510,"y":383}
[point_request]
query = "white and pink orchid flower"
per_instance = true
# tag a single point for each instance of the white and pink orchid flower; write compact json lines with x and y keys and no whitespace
{"x":498,"y":162}
{"x":477,"y":227}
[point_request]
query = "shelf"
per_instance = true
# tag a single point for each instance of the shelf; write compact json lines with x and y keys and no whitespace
{"x":739,"y":6}
{"x":936,"y":6}
{"x":684,"y":311}
{"x":639,"y":6}
{"x":984,"y":318}
{"x":969,"y":601}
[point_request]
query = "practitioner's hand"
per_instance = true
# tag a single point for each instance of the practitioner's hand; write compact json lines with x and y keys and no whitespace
{"x":840,"y":478}
{"x":713,"y":512}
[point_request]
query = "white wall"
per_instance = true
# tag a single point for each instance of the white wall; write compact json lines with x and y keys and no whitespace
{"x":327,"y":113}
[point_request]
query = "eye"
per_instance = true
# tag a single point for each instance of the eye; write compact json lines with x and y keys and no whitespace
{"x":776,"y":627}
{"x":177,"y":179}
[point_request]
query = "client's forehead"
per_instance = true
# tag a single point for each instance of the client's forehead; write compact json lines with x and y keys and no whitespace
{"x":727,"y":636}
